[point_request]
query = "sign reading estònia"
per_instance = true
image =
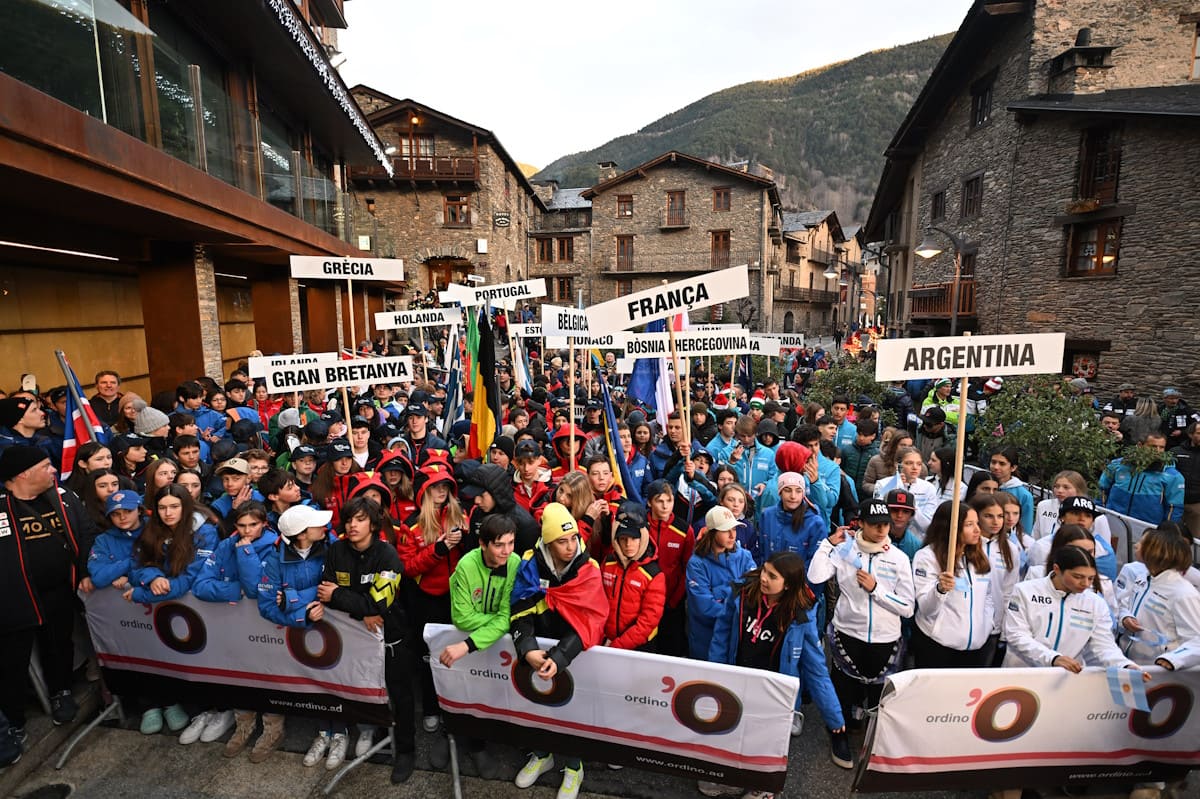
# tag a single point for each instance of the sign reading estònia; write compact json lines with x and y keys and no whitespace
{"x":304,"y":377}
{"x":969,"y":356}
{"x":328,"y":268}
{"x":660,"y":302}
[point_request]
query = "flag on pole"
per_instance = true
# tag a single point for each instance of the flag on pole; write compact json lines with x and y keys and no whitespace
{"x":613,"y":448}
{"x":82,"y":424}
{"x":1128,"y":688}
{"x":745,"y":372}
{"x":650,"y":383}
{"x":485,"y":414}
{"x":521,"y":366}
{"x":454,"y":410}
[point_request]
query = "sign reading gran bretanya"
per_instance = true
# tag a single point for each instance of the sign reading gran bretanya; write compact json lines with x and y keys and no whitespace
{"x":970,"y":356}
{"x":368,"y":371}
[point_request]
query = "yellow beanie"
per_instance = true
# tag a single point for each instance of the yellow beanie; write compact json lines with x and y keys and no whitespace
{"x":557,"y":522}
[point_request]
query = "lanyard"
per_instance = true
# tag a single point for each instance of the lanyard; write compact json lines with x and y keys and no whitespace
{"x":760,"y":618}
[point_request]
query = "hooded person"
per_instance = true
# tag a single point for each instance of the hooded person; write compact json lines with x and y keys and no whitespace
{"x":558,"y":593}
{"x":560,"y":444}
{"x":634,"y":584}
{"x":490,"y":487}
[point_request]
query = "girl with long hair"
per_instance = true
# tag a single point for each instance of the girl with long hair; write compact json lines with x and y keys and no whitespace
{"x":882,"y":465}
{"x":1160,"y":616}
{"x":942,"y":468}
{"x":95,"y":491}
{"x":909,"y":467}
{"x":331,"y":485}
{"x":769,"y":623}
{"x":1005,"y":558}
{"x":90,"y":456}
{"x":1004,"y":465}
{"x":718,"y":562}
{"x":956,"y":602}
{"x":981,"y":483}
{"x":643,"y":438}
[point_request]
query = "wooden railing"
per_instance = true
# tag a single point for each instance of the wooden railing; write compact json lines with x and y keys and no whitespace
{"x":799,"y":294}
{"x":423,"y":167}
{"x":675,"y":218}
{"x":933,"y":300}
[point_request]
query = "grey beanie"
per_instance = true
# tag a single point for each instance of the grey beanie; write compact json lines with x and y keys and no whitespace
{"x":148,"y":419}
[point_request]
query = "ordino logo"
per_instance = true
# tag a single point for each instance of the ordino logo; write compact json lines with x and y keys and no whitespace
{"x":181,"y":629}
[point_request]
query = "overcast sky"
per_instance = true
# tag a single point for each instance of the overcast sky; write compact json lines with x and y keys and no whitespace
{"x":552,"y":78}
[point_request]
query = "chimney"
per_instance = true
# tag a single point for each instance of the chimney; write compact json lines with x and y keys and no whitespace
{"x":608,"y":170}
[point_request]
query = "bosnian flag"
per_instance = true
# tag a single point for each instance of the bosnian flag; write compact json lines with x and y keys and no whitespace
{"x":82,"y":423}
{"x":1128,"y":688}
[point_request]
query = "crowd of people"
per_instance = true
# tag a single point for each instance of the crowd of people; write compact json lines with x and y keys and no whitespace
{"x":754,"y":528}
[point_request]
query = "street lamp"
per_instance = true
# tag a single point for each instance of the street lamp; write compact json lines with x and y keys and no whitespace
{"x":928,"y":248}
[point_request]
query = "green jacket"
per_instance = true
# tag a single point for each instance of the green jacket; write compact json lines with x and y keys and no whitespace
{"x":480,"y":597}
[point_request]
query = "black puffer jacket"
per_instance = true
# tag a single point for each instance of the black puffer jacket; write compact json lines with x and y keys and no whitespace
{"x":497,"y":481}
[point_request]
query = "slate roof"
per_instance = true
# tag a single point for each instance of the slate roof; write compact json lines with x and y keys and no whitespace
{"x":1172,"y":101}
{"x":802,"y":220}
{"x":568,"y":200}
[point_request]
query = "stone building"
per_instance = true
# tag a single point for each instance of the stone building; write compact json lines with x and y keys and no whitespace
{"x":806,"y":296}
{"x":676,"y":216}
{"x":562,"y":242}
{"x":456,"y":203}
{"x":1056,"y":140}
{"x":159,"y":162}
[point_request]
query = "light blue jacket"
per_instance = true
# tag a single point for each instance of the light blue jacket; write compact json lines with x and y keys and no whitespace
{"x":710,"y":582}
{"x":231,"y":571}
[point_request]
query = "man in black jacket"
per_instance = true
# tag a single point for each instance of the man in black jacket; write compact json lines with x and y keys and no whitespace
{"x":491,"y":488}
{"x":1187,"y":462}
{"x":44,"y":546}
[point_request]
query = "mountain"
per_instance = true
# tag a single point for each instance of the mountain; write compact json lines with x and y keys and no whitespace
{"x":528,"y":170}
{"x":823,"y":132}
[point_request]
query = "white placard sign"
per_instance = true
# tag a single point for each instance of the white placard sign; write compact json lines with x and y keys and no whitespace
{"x":791,"y":341}
{"x":969,"y":356}
{"x":715,"y":326}
{"x":660,"y":302}
{"x":327,"y":267}
{"x":360,"y":372}
{"x":527,"y":330}
{"x":423,"y":317}
{"x":501,"y":295}
{"x":625,"y":365}
{"x":559,"y":321}
{"x":765,"y":345}
{"x":257,"y":366}
{"x":687,"y":343}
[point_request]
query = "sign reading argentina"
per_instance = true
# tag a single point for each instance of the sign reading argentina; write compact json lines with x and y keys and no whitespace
{"x":424,"y":317}
{"x":969,"y":356}
{"x":328,"y":267}
{"x":367,"y":371}
{"x":660,"y":302}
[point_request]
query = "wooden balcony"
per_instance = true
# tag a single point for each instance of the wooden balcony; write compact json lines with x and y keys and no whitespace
{"x":459,"y":168}
{"x":675,"y":219}
{"x":821,"y":256}
{"x":799,"y":294}
{"x":933,"y":300}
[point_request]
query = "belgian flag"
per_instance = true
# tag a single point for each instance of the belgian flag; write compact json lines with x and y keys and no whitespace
{"x":485,"y":415}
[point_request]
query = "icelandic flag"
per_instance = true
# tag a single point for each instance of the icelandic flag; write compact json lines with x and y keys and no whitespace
{"x":1128,"y":688}
{"x":454,"y":410}
{"x":83,"y":424}
{"x":612,"y":441}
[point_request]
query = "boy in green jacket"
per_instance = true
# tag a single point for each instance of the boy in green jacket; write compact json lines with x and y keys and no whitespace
{"x":480,"y":591}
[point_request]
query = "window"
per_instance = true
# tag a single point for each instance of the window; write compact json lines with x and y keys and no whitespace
{"x":545,"y":250}
{"x":1196,"y":56}
{"x":624,"y":287}
{"x":624,"y":253}
{"x":720,"y":249}
{"x":972,"y":197}
{"x":793,"y":252}
{"x":676,"y":209}
{"x":421,"y":145}
{"x":967,"y":265}
{"x":981,"y":101}
{"x":937,"y":207}
{"x":457,"y":212}
{"x":624,"y":205}
{"x":564,"y":289}
{"x":1099,"y":164}
{"x":721,"y":199}
{"x":566,"y":249}
{"x":1093,"y":249}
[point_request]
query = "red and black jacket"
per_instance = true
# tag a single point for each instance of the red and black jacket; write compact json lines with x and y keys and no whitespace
{"x":674,"y":548}
{"x":637,"y":592}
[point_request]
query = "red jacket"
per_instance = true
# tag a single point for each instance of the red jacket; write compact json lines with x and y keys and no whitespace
{"x":674,"y":548}
{"x":428,"y":565}
{"x":600,"y":540}
{"x":636,"y":593}
{"x":534,"y":498}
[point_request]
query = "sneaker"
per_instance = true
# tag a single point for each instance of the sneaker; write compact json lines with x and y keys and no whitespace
{"x":366,"y":739}
{"x":337,"y":751}
{"x":218,"y":725}
{"x":536,"y":767}
{"x":431,"y":723}
{"x":402,"y":767}
{"x":758,"y":795}
{"x":486,"y":765}
{"x":63,"y":708}
{"x":152,"y":722}
{"x":797,"y":723}
{"x":572,"y":779}
{"x":320,"y":745}
{"x":717,"y":789}
{"x":839,"y":750}
{"x":191,"y":733}
{"x":176,"y":718}
{"x":19,"y":736}
{"x":439,"y":752}
{"x":614,"y":767}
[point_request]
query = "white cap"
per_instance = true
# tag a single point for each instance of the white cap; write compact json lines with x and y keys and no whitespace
{"x":298,"y":518}
{"x":721,"y":518}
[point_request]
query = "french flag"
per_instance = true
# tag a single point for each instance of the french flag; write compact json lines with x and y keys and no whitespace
{"x":83,"y":424}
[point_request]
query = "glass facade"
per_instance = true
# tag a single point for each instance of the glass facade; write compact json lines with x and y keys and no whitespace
{"x":163,"y":84}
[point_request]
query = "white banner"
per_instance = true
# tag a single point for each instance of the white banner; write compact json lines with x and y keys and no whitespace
{"x":257,"y":366}
{"x":625,"y":365}
{"x":969,"y":356}
{"x":688,"y":343}
{"x":791,"y":341}
{"x":334,"y":668}
{"x":328,"y":268}
{"x":705,"y":721}
{"x":559,"y":321}
{"x":527,"y":330}
{"x":501,"y":295}
{"x":660,"y":302}
{"x":952,"y":729}
{"x":423,"y":317}
{"x":360,"y":372}
{"x":765,"y":345}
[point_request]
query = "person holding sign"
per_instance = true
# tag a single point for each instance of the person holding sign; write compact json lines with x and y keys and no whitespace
{"x":956,"y":600}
